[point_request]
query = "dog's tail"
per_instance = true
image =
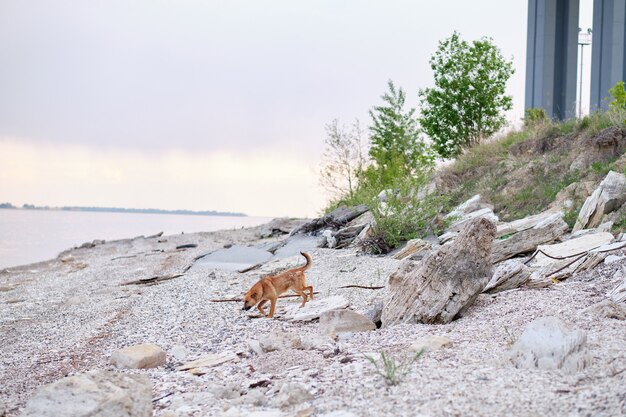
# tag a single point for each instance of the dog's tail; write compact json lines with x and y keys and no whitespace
{"x":309,"y":261}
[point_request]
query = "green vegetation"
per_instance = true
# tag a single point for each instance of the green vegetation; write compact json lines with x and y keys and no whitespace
{"x":534,"y":116}
{"x":391,"y":369}
{"x":396,"y":150}
{"x":520,"y":173}
{"x":468,"y":101}
{"x":618,"y":95}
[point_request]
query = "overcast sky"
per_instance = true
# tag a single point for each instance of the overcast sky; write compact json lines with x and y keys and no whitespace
{"x":210,"y":105}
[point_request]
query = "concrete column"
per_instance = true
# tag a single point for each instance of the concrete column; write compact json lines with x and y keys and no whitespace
{"x":551,"y":56}
{"x":608,"y":56}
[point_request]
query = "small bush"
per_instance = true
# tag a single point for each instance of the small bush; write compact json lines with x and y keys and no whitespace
{"x":618,"y":96}
{"x":409,"y":211}
{"x":391,"y":369}
{"x":534,"y":116}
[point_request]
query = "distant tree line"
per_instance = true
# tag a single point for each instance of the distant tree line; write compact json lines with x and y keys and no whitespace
{"x":124,"y":210}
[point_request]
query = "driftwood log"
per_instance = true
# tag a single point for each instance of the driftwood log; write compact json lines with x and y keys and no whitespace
{"x":446,"y":282}
{"x":526,"y":241}
{"x":333,"y":220}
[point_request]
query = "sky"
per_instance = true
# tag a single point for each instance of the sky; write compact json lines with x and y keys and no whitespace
{"x":212,"y":105}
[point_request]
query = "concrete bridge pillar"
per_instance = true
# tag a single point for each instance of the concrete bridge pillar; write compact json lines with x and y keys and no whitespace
{"x":551,"y":56}
{"x":608,"y":56}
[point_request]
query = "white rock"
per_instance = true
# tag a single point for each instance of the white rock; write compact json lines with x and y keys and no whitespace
{"x":614,"y":258}
{"x":314,"y":309}
{"x":315,"y":342}
{"x":341,"y":321}
{"x":547,"y":343}
{"x":180,"y":353}
{"x":430,"y":343}
{"x":280,"y":340}
{"x":331,"y":242}
{"x":609,"y":196}
{"x":292,"y":393}
{"x":138,"y":357}
{"x":94,"y":394}
{"x":255,"y":346}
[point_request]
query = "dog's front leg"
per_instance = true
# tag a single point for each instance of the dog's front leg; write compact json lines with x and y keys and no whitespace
{"x":260,"y":307}
{"x":272,"y":307}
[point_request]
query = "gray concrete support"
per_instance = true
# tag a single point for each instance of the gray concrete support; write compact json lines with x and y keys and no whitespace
{"x":551,"y":56}
{"x":608,"y":53}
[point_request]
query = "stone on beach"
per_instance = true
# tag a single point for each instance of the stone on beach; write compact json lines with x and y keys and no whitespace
{"x":342,"y":321}
{"x":138,"y":357}
{"x":94,"y":394}
{"x":429,"y":343}
{"x":315,"y":308}
{"x":609,"y":196}
{"x":547,"y":343}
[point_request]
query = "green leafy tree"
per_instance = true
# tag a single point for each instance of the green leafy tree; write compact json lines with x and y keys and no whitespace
{"x":618,"y":95}
{"x":468,"y":99}
{"x":396,"y":145}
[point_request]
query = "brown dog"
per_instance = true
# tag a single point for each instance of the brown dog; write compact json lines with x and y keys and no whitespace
{"x":269,"y":288}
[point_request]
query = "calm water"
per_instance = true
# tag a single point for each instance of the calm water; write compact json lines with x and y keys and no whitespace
{"x":28,"y":236}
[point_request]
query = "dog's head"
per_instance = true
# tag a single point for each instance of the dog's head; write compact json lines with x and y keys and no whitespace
{"x":251,"y":298}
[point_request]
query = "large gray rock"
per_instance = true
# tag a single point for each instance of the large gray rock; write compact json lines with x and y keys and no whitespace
{"x":141,"y":356}
{"x":609,"y":196}
{"x":547,"y":343}
{"x":94,"y":394}
{"x":445,"y":283}
{"x":342,"y":321}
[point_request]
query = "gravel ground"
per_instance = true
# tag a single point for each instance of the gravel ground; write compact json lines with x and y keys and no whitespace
{"x":62,"y":318}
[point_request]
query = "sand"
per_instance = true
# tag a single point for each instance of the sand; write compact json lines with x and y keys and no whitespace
{"x":60,"y":318}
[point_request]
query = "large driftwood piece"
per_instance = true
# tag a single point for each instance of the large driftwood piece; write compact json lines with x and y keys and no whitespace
{"x":520,"y":225}
{"x":333,"y":220}
{"x":609,"y":196}
{"x":508,"y":275}
{"x":446,"y":282}
{"x":525,"y":241}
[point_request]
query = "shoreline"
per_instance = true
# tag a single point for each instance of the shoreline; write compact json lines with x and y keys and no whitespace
{"x":34,"y":236}
{"x":71,"y":314}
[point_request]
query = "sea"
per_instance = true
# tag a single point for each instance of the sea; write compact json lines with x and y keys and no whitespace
{"x":28,"y":236}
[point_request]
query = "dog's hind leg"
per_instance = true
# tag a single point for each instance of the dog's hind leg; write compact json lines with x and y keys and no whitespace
{"x":303,"y":295}
{"x":310,"y":288}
